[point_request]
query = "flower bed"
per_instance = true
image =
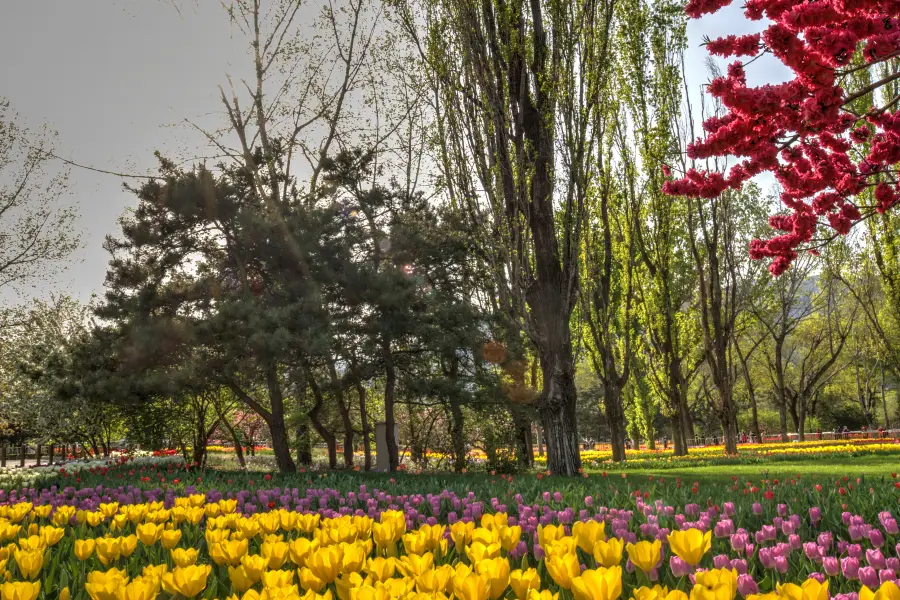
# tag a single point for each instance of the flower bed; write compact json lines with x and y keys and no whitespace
{"x":160,"y":529}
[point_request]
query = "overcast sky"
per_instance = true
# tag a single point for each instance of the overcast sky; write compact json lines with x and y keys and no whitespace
{"x":117,"y":78}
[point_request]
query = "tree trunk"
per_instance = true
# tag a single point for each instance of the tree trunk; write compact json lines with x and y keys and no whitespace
{"x":236,"y":439}
{"x":754,"y":416}
{"x":457,"y":428}
{"x":679,"y":445}
{"x":364,"y":421}
{"x":887,"y":420}
{"x":390,"y":384}
{"x":344,"y":410}
{"x":782,"y":420}
{"x":557,"y":409}
{"x":540,"y":439}
{"x":801,"y":430}
{"x":615,"y":420}
{"x":280,"y":445}
{"x":304,"y":445}
{"x":524,"y":450}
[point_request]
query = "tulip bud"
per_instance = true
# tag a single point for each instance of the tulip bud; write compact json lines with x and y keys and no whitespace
{"x":728,"y":509}
{"x":757,"y":508}
{"x":876,"y":538}
{"x":817,"y":576}
{"x":855,"y":551}
{"x":781,"y":564}
{"x":825,"y":539}
{"x":831,"y":566}
{"x":887,"y":575}
{"x":747,"y":586}
{"x":64,"y":594}
{"x":876,"y":559}
{"x":739,"y":565}
{"x":721,"y":561}
{"x":868,"y":576}
{"x":850,"y":567}
{"x":795,"y":542}
{"x":815,"y":514}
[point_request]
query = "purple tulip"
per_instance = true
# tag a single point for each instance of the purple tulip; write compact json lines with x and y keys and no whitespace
{"x":815,"y":514}
{"x":890,"y":526}
{"x":876,"y":538}
{"x":679,"y":567}
{"x":817,"y":576}
{"x":887,"y":575}
{"x":781,"y":564}
{"x":850,"y":567}
{"x":855,"y":551}
{"x":892,"y":563}
{"x":876,"y":559}
{"x":720,"y":561}
{"x":825,"y":539}
{"x":739,"y":565}
{"x":795,"y":542}
{"x":812,"y":550}
{"x":831,"y":566}
{"x":757,"y":508}
{"x":739,"y":542}
{"x":728,"y":509}
{"x":767,"y":558}
{"x":868,"y":576}
{"x":588,"y":501}
{"x":746,"y":585}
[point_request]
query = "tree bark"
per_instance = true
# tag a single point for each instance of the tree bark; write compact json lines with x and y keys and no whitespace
{"x":304,"y":445}
{"x":364,"y":421}
{"x":280,"y":445}
{"x":390,"y":384}
{"x":615,"y":420}
{"x":329,"y":438}
{"x":557,"y":409}
{"x":457,"y":428}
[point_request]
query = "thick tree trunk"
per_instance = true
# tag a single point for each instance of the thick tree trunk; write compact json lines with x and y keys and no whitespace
{"x":782,"y":420}
{"x":679,"y":445}
{"x":457,"y":438}
{"x":557,"y":409}
{"x":344,"y":410}
{"x":887,"y":419}
{"x":615,"y":420}
{"x":754,"y":416}
{"x":364,"y":421}
{"x":390,"y":384}
{"x":524,"y":450}
{"x":280,"y":445}
{"x":304,"y":445}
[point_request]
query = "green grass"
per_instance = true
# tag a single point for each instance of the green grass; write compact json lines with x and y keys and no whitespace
{"x":830,"y":469}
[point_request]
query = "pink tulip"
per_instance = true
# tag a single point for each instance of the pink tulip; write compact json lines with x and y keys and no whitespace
{"x":850,"y":567}
{"x":868,"y":576}
{"x":747,"y":585}
{"x":876,"y":559}
{"x":831,"y":566}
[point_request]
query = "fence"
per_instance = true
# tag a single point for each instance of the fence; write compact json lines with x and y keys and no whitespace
{"x":40,"y":454}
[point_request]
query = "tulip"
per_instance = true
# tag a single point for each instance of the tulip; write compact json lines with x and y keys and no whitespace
{"x":170,"y":538}
{"x":608,"y":553}
{"x":868,"y":576}
{"x":140,"y":588}
{"x":20,"y":590}
{"x":781,"y":564}
{"x":104,"y":585}
{"x":757,"y":508}
{"x":831,"y":566}
{"x":815,"y":514}
{"x":30,"y":563}
{"x":746,"y":585}
{"x":850,"y":567}
{"x":471,"y":587}
{"x":184,"y":557}
{"x":435,"y":580}
{"x":187,"y":581}
{"x":522,"y":581}
{"x":876,"y":559}
{"x":84,"y":548}
{"x":309,"y":581}
{"x":380,"y":568}
{"x":887,"y":591}
{"x":587,"y":534}
{"x":811,"y":589}
{"x":598,"y":584}
{"x":542,"y":595}
{"x":645,"y":555}
{"x":876,"y":538}
{"x":277,"y":579}
{"x":887,"y":575}
{"x":678,"y":567}
{"x":149,"y":533}
{"x":562,"y":569}
{"x":690,"y":546}
{"x":721,"y":561}
{"x":65,"y":594}
{"x":497,"y":572}
{"x":240,"y":579}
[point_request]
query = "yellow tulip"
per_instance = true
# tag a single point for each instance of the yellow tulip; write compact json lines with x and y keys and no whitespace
{"x":413,"y":565}
{"x":94,"y":518}
{"x":30,"y":543}
{"x":140,"y":588}
{"x":308,"y":523}
{"x":311,"y":595}
{"x":461,"y":533}
{"x":354,"y":555}
{"x":414,"y":543}
{"x":30,"y":563}
{"x":719,"y":578}
{"x":588,"y":533}
{"x":187,"y":581}
{"x":809,"y":590}
{"x":84,"y":549}
{"x":278,"y":579}
{"x":184,"y":557}
{"x":436,"y":579}
{"x":154,"y":572}
{"x":65,"y":594}
{"x":608,"y":553}
{"x":309,"y":580}
{"x":275,"y":552}
{"x":496,"y":570}
{"x":240,"y":579}
{"x":645,"y":555}
{"x":542,"y":595}
{"x":598,"y":584}
{"x":550,"y":533}
{"x":269,"y":522}
{"x":477,"y":551}
{"x":690,"y":545}
{"x":63,"y":515}
{"x":380,"y":568}
{"x":170,"y":538}
{"x":471,"y":587}
{"x":105,"y":585}
{"x":345,"y":583}
{"x":51,"y":535}
{"x":701,"y":592}
{"x":368,"y":592}
{"x":522,"y":581}
{"x":560,"y":547}
{"x":129,"y":543}
{"x":771,"y":596}
{"x":149,"y":533}
{"x":20,"y":590}
{"x":325,"y":563}
{"x":108,"y":550}
{"x":562,"y":569}
{"x":510,"y":537}
{"x":886,"y":591}
{"x":229,"y":552}
{"x":110,"y":509}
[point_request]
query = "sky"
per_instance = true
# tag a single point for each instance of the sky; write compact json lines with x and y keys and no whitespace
{"x":118,"y":78}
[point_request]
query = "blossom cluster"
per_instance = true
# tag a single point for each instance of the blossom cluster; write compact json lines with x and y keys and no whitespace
{"x":809,"y":131}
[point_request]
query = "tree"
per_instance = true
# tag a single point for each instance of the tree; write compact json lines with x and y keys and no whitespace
{"x":827,"y":134}
{"x":520,"y":108}
{"x":37,"y":232}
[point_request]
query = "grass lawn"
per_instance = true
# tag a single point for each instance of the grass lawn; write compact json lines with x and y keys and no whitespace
{"x":824,"y":469}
